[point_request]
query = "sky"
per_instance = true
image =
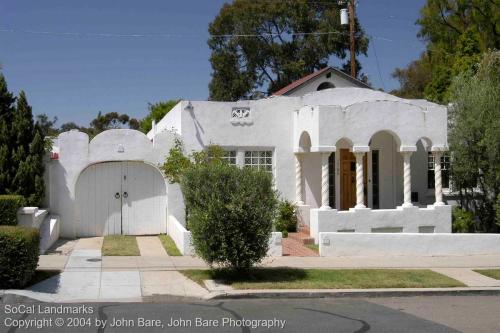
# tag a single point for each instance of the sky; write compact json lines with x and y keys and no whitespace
{"x":51,"y":50}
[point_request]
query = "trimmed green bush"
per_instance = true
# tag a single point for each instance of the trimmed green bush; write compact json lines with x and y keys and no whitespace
{"x":286,"y":221}
{"x":19,"y":252}
{"x":230,"y":213}
{"x":9,"y":205}
{"x":462,"y":221}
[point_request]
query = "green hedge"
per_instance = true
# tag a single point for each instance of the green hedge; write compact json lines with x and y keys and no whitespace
{"x":9,"y":204}
{"x":19,"y":252}
{"x":230,"y":213}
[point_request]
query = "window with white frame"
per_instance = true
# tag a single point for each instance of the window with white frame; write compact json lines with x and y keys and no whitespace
{"x":445,"y":170}
{"x":230,"y":156}
{"x":259,"y":159}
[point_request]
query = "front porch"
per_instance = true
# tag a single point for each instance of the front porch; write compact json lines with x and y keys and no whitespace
{"x":356,"y":172}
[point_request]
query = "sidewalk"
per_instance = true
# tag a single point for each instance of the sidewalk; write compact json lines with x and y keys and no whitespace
{"x":89,"y":276}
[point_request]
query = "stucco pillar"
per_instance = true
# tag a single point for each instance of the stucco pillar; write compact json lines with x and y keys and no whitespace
{"x":438,"y":184}
{"x":360,"y":191}
{"x":325,"y":186}
{"x":298,"y":180}
{"x":407,"y":178}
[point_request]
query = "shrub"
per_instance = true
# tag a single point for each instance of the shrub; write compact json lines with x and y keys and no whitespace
{"x":462,"y":221}
{"x":286,"y":220}
{"x":19,"y":251}
{"x":9,"y":205}
{"x":230,"y":213}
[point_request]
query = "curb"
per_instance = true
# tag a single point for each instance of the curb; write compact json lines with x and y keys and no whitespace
{"x":357,"y":293}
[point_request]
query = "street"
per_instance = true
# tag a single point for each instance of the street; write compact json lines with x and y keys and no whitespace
{"x":395,"y":314}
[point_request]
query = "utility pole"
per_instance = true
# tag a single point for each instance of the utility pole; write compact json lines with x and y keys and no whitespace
{"x":351,"y":37}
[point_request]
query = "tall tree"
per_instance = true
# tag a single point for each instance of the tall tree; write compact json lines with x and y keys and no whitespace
{"x":261,"y":46}
{"x":7,"y":101}
{"x":28,"y":151}
{"x":457,"y":32}
{"x":46,"y":125}
{"x":474,"y":139}
{"x":156,"y":112}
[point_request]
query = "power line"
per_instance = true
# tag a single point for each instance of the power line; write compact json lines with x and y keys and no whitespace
{"x":378,"y":64}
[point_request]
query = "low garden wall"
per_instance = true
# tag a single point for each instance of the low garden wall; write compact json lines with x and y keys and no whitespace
{"x":182,"y":239}
{"x":336,"y":244}
{"x":433,"y":219}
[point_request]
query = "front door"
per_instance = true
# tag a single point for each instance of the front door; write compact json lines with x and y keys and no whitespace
{"x":120,"y":198}
{"x":348,"y":179}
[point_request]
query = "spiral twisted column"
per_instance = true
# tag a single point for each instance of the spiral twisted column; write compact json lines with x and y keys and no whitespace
{"x":407,"y":179}
{"x":298,"y":179}
{"x":438,"y":184}
{"x":360,"y":199}
{"x":325,"y":186}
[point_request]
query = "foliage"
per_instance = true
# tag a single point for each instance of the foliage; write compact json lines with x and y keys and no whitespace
{"x":22,"y":148}
{"x":474,"y":139}
{"x":9,"y":205}
{"x":47,"y":126}
{"x":156,"y":112}
{"x":103,"y":122}
{"x":286,"y":220}
{"x":19,"y":252}
{"x":457,"y":32}
{"x":231,"y":211}
{"x":462,"y":221}
{"x":266,"y":45}
{"x":177,"y":163}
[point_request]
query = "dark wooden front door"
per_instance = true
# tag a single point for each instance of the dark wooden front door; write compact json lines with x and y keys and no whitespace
{"x":348,"y":179}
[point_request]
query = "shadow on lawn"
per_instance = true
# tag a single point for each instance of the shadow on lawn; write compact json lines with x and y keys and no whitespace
{"x":260,"y":275}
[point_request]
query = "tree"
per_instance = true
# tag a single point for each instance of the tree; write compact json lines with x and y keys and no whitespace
{"x":7,"y":101}
{"x":47,"y":126}
{"x":457,"y":32}
{"x":264,"y":45}
{"x":474,"y":139}
{"x":156,"y":112}
{"x":28,"y":151}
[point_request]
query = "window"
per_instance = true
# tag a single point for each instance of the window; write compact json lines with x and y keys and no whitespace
{"x":260,"y":159}
{"x":445,"y":170}
{"x":230,"y":156}
{"x":325,"y":85}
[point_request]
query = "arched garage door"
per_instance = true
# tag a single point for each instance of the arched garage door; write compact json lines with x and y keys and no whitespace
{"x":120,"y":198}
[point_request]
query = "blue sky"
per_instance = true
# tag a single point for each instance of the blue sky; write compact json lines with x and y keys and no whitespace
{"x":75,"y":76}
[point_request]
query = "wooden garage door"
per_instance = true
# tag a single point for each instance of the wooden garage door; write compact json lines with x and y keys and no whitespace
{"x":120,"y":198}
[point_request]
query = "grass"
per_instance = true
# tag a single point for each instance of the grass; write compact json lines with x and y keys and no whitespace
{"x":313,"y":247}
{"x":290,"y":278}
{"x":120,"y":245}
{"x":169,"y":245}
{"x":492,"y":273}
{"x":40,"y":276}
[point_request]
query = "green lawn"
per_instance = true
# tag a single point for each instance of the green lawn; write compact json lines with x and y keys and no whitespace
{"x":492,"y":273}
{"x":169,"y":245}
{"x":289,"y":278}
{"x":120,"y":245}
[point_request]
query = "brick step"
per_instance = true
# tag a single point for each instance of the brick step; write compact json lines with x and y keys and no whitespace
{"x":295,"y":248}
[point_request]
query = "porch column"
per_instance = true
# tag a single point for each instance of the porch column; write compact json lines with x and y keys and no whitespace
{"x":438,"y":184}
{"x":407,"y":178}
{"x":298,"y":179}
{"x":325,"y":188}
{"x":360,"y":191}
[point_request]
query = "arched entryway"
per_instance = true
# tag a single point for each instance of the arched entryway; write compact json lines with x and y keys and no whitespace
{"x":120,"y":198}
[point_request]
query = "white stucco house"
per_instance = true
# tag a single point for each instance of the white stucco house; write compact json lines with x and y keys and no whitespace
{"x":353,"y":159}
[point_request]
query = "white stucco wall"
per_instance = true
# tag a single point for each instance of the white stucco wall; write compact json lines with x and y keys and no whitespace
{"x":311,"y":86}
{"x":364,"y":220}
{"x":373,"y":244}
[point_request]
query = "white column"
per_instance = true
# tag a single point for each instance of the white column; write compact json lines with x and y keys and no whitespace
{"x":298,"y":179}
{"x":438,"y":184}
{"x":407,"y":178}
{"x":325,"y":185}
{"x":360,"y":182}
